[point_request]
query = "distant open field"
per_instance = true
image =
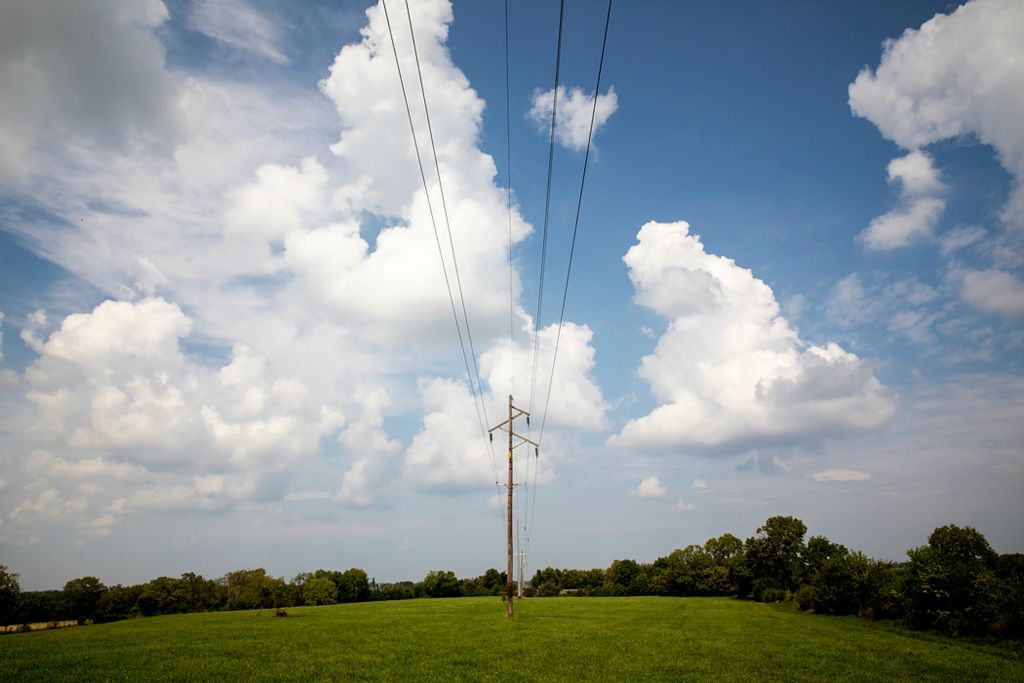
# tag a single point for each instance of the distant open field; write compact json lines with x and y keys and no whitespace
{"x":566,"y":639}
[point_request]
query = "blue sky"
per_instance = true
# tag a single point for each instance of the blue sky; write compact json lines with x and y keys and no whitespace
{"x":226,"y":340}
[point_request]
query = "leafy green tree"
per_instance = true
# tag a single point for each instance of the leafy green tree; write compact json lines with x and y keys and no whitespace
{"x":402,"y":590}
{"x":817,"y":551}
{"x":319,"y":591}
{"x":199,"y":594}
{"x":441,"y":584}
{"x":547,"y":582}
{"x":884,"y":597}
{"x":667,"y":575}
{"x":353,"y":586}
{"x":962,"y":545}
{"x":38,"y":606}
{"x":621,"y":575}
{"x":492,"y":582}
{"x":331,"y":575}
{"x":674,"y":574}
{"x":724,"y":548}
{"x":840,"y":583}
{"x":9,"y":592}
{"x":774,"y":555}
{"x":548,"y":590}
{"x":1010,"y":572}
{"x":714,"y":580}
{"x":81,"y":597}
{"x":767,"y":589}
{"x":951,"y":583}
{"x":251,"y":589}
{"x":741,"y":576}
{"x":118,"y":602}
{"x":162,"y":595}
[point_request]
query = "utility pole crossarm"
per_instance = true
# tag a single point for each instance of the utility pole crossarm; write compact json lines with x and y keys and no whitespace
{"x":502,"y":427}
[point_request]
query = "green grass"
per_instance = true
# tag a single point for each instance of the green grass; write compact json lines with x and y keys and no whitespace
{"x":560,"y":639}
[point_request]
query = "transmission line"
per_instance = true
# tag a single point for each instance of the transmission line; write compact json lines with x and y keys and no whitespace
{"x":568,"y":271}
{"x":508,"y":164}
{"x":511,"y":295}
{"x":528,"y":494}
{"x":547,"y":205}
{"x":444,"y":207}
{"x":576,"y":223}
{"x":440,"y":251}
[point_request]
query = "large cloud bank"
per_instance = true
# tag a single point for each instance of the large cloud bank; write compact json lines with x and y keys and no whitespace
{"x":270,"y":299}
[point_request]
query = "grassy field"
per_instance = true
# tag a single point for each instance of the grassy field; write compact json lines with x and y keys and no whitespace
{"x":560,"y":639}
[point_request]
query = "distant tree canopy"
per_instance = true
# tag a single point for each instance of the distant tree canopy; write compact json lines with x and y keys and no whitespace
{"x":956,"y":583}
{"x":252,"y":589}
{"x":81,"y":597}
{"x":441,"y":584}
{"x":951,"y":583}
{"x":319,"y":590}
{"x":9,"y":592}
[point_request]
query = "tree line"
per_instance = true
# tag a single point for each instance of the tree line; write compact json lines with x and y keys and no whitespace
{"x":956,"y":583}
{"x":87,"y":599}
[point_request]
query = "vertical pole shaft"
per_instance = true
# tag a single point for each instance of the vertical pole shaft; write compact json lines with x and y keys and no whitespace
{"x":509,"y":590}
{"x":522,"y":568}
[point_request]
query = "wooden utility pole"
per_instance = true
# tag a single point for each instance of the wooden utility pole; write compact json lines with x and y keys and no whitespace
{"x":509,"y":427}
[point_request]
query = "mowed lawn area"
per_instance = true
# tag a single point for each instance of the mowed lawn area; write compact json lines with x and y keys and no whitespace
{"x":551,"y":639}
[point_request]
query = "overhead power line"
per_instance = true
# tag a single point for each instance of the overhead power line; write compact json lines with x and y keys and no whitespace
{"x":568,"y":272}
{"x":508,"y":165}
{"x":547,"y":205}
{"x":477,"y":400}
{"x":529,"y":494}
{"x":444,"y":208}
{"x":576,"y":222}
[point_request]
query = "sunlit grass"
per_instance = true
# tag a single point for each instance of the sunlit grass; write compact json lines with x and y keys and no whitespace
{"x":560,"y":639}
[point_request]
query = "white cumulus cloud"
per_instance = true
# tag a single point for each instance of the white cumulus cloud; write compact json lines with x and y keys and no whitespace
{"x":921,"y":209}
{"x":958,"y":74}
{"x":900,"y":227}
{"x":374,"y":451}
{"x":575,"y":110}
{"x":730,"y":373}
{"x":450,"y":452}
{"x":116,"y":379}
{"x":916,"y":174}
{"x":650,"y":487}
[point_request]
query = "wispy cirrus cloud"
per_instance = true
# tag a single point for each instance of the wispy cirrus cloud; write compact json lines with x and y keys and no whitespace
{"x":238,"y":24}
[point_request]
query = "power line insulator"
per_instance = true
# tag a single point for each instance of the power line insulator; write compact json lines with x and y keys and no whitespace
{"x":491,"y":435}
{"x":527,"y":420}
{"x":536,"y":451}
